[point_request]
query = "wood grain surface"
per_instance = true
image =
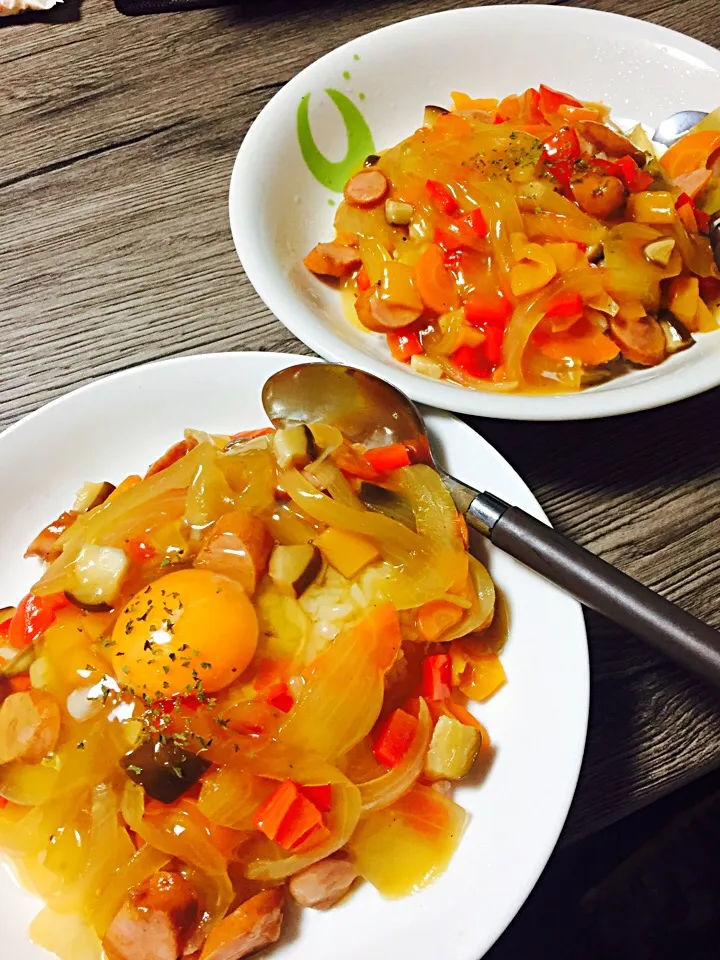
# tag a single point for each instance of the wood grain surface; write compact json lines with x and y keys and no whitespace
{"x":117,"y":137}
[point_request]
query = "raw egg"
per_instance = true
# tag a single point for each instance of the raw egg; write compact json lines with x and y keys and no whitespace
{"x":188,"y":632}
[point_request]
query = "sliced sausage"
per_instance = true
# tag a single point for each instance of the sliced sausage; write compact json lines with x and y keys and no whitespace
{"x":156,"y":921}
{"x":366,"y":188}
{"x":255,"y":924}
{"x":176,"y":452}
{"x":599,"y":195}
{"x":45,"y":543}
{"x":323,"y":884}
{"x":332,"y":259}
{"x":611,"y":143}
{"x":693,"y":183}
{"x":239,"y":547}
{"x":641,"y":341}
{"x":29,"y":726}
{"x":380,"y":316}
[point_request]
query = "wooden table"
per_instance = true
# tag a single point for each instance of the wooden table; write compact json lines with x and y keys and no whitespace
{"x":117,"y":137}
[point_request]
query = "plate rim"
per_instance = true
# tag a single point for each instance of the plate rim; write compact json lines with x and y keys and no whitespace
{"x":311,"y":330}
{"x":575,"y":619}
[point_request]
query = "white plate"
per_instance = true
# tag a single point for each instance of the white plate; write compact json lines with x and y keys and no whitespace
{"x":117,"y":426}
{"x":278,"y":211}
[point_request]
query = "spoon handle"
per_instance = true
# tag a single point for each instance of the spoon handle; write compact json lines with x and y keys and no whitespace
{"x":599,"y":585}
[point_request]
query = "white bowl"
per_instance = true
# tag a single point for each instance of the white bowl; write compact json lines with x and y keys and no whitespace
{"x":537,"y":721}
{"x":278,"y":211}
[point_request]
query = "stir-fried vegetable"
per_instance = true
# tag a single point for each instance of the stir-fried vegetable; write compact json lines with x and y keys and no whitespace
{"x":493,"y":243}
{"x":244,"y":669}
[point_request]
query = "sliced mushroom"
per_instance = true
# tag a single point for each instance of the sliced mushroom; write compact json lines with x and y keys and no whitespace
{"x":295,"y":567}
{"x":641,"y":341}
{"x":677,"y":336}
{"x":371,"y":160}
{"x":91,"y":495}
{"x":332,"y":260}
{"x":294,"y":446}
{"x":164,"y":770}
{"x":366,"y":188}
{"x":660,"y":251}
{"x":397,"y":213}
{"x":45,"y":543}
{"x":431,"y":113}
{"x":611,"y":143}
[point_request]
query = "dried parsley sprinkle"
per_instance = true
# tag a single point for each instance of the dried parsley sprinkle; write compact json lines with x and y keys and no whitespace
{"x":166,"y":668}
{"x":81,"y":745}
{"x":132,"y":768}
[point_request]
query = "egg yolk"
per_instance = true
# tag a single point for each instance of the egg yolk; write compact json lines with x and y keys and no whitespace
{"x":190,"y":631}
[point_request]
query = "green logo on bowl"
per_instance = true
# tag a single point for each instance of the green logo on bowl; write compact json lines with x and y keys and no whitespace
{"x":359,"y":142}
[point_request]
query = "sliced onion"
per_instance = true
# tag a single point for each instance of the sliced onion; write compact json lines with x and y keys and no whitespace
{"x":482,"y":609}
{"x":384,"y":790}
{"x":230,"y":797}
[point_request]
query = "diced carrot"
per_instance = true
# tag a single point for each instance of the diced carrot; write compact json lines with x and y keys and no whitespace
{"x":530,"y":106}
{"x":127,"y":484}
{"x":176,"y":452}
{"x":404,"y":344}
{"x":302,"y":818}
{"x":426,"y":811}
{"x":395,"y":738}
{"x":436,"y":617}
{"x":437,"y":676}
{"x":317,"y":835}
{"x":20,"y":684}
{"x":392,"y":457}
{"x":3,"y":803}
{"x":462,"y":101}
{"x":321,"y":796}
{"x":564,"y":306}
{"x":287,"y":817}
{"x":691,"y":152}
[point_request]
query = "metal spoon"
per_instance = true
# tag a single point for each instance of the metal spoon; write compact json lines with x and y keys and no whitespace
{"x":371,"y":411}
{"x":672,"y":128}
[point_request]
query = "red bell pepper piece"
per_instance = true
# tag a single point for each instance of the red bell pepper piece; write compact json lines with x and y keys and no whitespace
{"x":473,"y":361}
{"x":477,"y":223}
{"x":3,"y":803}
{"x":363,"y":280}
{"x":404,"y":344}
{"x":321,"y":796}
{"x":494,"y":337}
{"x":5,"y":628}
{"x":441,"y":198}
{"x":563,"y":145}
{"x":33,"y":616}
{"x":20,"y":684}
{"x":634,"y":178}
{"x":609,"y":167}
{"x":388,"y":458}
{"x":437,"y":676}
{"x":565,"y":306}
{"x":139,"y":551}
{"x":288,"y":817}
{"x":551,"y":100}
{"x":702,"y":219}
{"x":488,"y":309}
{"x":395,"y":738}
{"x":530,"y":106}
{"x":280,"y":698}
